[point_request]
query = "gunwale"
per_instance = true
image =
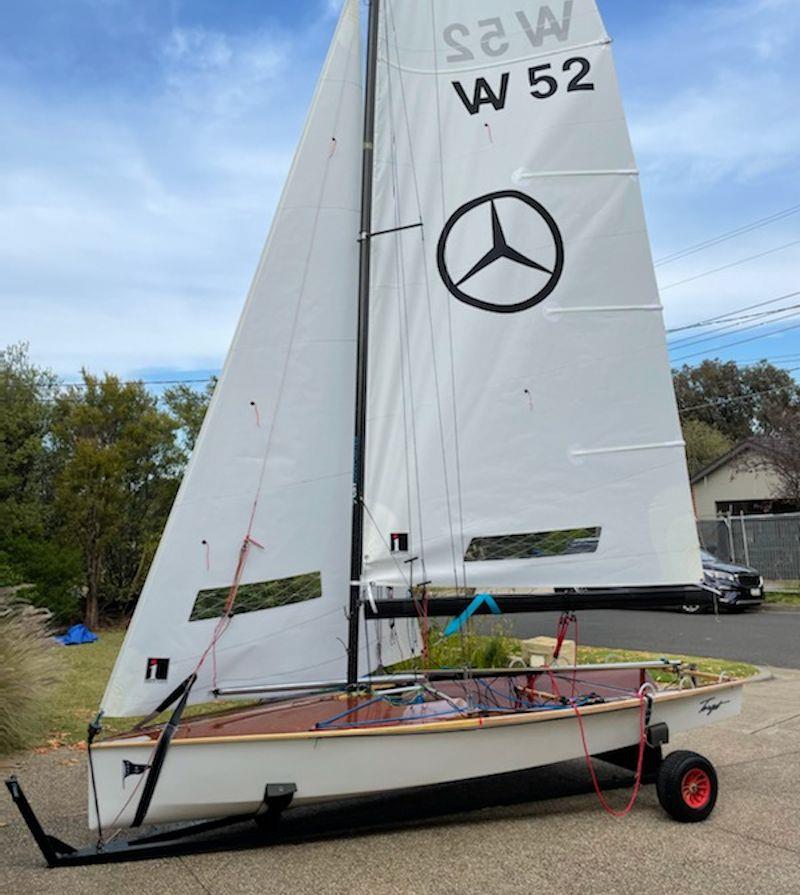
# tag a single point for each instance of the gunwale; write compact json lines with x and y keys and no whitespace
{"x":147,"y":738}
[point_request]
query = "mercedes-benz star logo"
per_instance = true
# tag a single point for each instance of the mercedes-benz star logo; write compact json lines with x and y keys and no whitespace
{"x":531,"y":225}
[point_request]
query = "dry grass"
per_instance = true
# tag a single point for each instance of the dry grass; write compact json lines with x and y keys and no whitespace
{"x":30,"y":671}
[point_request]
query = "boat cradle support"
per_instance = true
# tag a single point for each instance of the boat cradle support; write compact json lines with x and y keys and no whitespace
{"x":175,"y":841}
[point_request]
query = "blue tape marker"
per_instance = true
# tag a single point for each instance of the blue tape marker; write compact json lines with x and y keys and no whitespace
{"x":458,"y":623}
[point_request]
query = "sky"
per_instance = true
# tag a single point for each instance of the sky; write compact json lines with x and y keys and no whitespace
{"x":144,"y":143}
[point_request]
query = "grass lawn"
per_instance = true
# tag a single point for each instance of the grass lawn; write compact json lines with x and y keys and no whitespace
{"x":75,"y":700}
{"x":783,"y":596}
{"x":87,"y":668}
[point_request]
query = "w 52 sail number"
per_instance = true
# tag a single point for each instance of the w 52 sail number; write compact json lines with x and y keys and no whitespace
{"x":574,"y":77}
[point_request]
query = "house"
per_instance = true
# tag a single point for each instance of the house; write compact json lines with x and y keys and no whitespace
{"x":739,"y":482}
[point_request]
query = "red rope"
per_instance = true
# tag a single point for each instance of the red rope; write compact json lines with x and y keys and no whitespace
{"x":639,"y":764}
{"x":563,"y":628}
{"x":422,"y":616}
{"x":567,"y":619}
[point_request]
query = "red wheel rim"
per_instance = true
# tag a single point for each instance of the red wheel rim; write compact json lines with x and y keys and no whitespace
{"x":696,"y":788}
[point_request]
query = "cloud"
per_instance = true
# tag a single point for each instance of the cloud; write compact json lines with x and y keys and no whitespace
{"x":140,"y":164}
{"x":333,"y":7}
{"x":726,"y":102}
{"x":715,"y":132}
{"x":217,"y":74}
{"x":132,"y":217}
{"x":710,"y":92}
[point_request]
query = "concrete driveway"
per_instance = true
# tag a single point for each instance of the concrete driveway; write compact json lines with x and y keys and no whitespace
{"x":540,"y":831}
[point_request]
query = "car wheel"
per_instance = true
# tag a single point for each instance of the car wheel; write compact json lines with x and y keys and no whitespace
{"x":687,"y":786}
{"x":691,"y":608}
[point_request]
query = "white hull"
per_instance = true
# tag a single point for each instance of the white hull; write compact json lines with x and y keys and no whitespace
{"x":217,"y":777}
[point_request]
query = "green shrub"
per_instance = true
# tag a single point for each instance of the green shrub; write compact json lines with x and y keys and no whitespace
{"x":29,"y":669}
{"x":9,"y":577}
{"x":54,"y":571}
{"x":467,"y":649}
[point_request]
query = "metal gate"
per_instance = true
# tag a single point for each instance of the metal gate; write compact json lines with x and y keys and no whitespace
{"x":770,"y":544}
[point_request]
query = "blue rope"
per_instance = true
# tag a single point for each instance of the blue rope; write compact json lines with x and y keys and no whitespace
{"x":350,"y":711}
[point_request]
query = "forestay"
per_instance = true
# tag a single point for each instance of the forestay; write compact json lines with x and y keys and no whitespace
{"x":274,"y":459}
{"x":522,"y":424}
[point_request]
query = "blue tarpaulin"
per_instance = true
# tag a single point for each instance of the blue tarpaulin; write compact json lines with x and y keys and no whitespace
{"x":76,"y":635}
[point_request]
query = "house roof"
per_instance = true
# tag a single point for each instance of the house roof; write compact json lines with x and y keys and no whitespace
{"x":749,"y":444}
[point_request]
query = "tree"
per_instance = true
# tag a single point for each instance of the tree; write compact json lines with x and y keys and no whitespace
{"x":779,"y":453}
{"x":188,"y":408}
{"x":736,"y":401}
{"x":118,"y":476}
{"x":704,"y":444}
{"x":30,"y":551}
{"x":26,"y":397}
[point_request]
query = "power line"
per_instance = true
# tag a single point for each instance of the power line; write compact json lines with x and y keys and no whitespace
{"x":149,"y":382}
{"x":710,"y":320}
{"x":708,"y":273}
{"x":718,"y":402}
{"x":780,"y":358}
{"x":741,"y":261}
{"x":716,"y":240}
{"x":738,"y":342}
{"x":789,"y":312}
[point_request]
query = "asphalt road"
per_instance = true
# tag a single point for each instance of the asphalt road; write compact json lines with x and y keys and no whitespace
{"x":765,"y":637}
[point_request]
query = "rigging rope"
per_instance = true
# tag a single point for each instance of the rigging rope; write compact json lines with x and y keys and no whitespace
{"x":451,"y":343}
{"x":405,"y":337}
{"x":563,"y":628}
{"x":437,"y":388}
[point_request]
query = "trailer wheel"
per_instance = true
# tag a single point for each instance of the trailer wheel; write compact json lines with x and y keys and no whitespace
{"x":687,"y":786}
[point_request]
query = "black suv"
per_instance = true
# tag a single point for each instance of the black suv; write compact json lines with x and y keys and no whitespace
{"x":740,"y":587}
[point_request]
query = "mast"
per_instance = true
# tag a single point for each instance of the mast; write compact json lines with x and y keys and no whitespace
{"x":359,"y":441}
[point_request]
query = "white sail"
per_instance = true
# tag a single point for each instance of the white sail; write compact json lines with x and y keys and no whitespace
{"x":522,"y":424}
{"x":277,"y":438}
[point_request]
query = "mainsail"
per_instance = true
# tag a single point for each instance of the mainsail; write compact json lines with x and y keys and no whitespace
{"x":522,"y":424}
{"x":272,"y":469}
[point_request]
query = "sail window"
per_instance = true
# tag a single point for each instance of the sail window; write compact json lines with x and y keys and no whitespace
{"x":534,"y":545}
{"x":258,"y":596}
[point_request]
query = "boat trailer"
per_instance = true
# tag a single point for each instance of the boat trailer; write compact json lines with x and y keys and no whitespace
{"x":178,"y":840}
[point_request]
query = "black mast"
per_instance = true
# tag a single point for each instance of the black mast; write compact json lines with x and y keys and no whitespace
{"x":359,"y":443}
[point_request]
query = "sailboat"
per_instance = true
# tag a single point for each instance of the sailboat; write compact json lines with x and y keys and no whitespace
{"x":448,"y":392}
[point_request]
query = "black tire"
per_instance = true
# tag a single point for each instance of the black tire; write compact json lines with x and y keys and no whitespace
{"x":687,"y":786}
{"x":691,"y":608}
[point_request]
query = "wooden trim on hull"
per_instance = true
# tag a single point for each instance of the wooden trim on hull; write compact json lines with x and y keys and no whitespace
{"x":504,"y":720}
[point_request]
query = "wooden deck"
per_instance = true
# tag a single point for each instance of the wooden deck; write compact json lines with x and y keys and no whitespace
{"x":331,"y":712}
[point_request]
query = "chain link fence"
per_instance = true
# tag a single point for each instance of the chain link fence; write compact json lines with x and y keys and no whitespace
{"x":770,"y":544}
